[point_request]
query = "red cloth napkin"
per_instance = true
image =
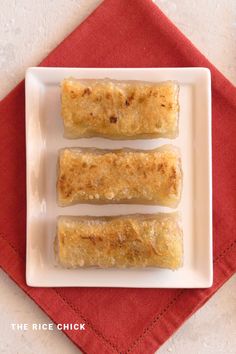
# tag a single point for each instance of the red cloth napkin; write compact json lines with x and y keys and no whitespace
{"x":121,"y":33}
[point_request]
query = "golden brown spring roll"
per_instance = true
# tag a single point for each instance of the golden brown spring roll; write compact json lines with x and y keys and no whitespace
{"x":120,"y":241}
{"x":119,"y":109}
{"x":119,"y":176}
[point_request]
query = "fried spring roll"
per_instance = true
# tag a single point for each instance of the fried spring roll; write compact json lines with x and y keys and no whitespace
{"x":119,"y":176}
{"x":119,"y":109}
{"x":120,"y":241}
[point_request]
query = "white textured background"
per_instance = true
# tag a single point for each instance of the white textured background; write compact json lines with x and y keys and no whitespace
{"x":29,"y":30}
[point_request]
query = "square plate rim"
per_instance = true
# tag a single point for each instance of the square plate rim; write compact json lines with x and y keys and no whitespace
{"x":206,"y":282}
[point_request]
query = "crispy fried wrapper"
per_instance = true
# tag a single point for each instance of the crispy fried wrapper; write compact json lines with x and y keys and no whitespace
{"x":119,"y":109}
{"x":138,"y":240}
{"x":87,"y":175}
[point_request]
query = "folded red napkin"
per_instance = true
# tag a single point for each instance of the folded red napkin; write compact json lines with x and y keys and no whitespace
{"x":121,"y":33}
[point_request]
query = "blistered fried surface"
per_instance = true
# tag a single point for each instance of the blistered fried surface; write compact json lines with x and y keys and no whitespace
{"x":119,"y":109}
{"x":119,"y":176}
{"x":123,"y":241}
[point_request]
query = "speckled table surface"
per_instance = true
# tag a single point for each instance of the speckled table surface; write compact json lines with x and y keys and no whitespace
{"x":29,"y":30}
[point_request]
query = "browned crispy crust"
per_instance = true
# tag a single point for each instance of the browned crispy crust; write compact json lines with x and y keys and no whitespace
{"x":119,"y":176}
{"x":119,"y":109}
{"x":121,"y":241}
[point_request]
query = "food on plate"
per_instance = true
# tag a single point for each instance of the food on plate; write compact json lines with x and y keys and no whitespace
{"x":137,"y":240}
{"x":119,"y":109}
{"x":89,"y":175}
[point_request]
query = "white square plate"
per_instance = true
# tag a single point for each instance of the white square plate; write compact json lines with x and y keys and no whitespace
{"x":44,"y":137}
